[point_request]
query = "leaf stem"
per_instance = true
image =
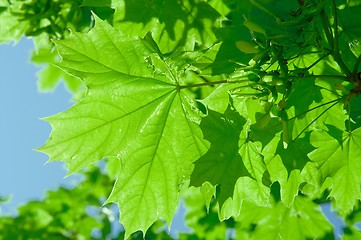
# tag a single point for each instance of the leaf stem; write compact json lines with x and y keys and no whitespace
{"x":314,"y":120}
{"x":202,"y":84}
{"x":335,"y":101}
{"x":327,"y":29}
{"x":333,"y":40}
{"x":349,"y":118}
{"x":242,"y":80}
{"x":321,"y":76}
{"x":314,"y":108}
{"x":317,"y":61}
{"x":338,"y":59}
{"x":336,"y":49}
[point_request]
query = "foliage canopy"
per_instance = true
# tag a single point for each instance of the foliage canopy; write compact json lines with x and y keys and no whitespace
{"x":250,"y":107}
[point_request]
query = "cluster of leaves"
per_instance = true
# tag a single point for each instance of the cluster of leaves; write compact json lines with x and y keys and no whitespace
{"x":255,"y":103}
{"x":76,"y":213}
{"x":45,"y":20}
{"x":53,"y":18}
{"x":62,"y":214}
{"x":72,"y":213}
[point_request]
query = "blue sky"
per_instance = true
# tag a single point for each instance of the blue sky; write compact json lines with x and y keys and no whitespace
{"x":23,"y":173}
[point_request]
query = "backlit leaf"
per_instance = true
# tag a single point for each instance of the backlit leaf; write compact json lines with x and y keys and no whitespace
{"x":133,"y":110}
{"x":337,"y":156}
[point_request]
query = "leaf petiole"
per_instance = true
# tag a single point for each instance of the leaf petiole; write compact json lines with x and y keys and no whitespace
{"x":314,"y":108}
{"x":327,"y":29}
{"x":333,"y":41}
{"x":317,"y":61}
{"x":314,"y":120}
{"x":202,"y":84}
{"x":321,"y":76}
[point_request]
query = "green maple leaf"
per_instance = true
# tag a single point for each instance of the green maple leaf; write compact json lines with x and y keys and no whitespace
{"x":134,"y":109}
{"x":237,"y":171}
{"x":222,"y":159}
{"x":337,"y":156}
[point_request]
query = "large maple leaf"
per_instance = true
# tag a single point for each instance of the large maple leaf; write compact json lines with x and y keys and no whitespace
{"x":134,"y":109}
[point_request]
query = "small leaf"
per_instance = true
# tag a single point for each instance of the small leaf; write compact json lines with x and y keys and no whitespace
{"x":254,"y":27}
{"x":247,"y":47}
